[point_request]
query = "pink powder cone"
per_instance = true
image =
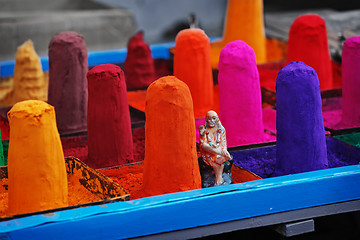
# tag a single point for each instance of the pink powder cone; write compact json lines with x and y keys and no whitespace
{"x":240,"y":94}
{"x":351,"y":82}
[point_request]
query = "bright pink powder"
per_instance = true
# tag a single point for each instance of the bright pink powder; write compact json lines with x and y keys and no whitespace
{"x":109,"y":128}
{"x":240,"y":94}
{"x":308,"y":43}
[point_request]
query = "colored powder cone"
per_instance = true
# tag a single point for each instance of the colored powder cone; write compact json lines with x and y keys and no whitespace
{"x":68,"y":65}
{"x":192,"y":65}
{"x":29,"y":82}
{"x":301,"y":144}
{"x":351,"y":82}
{"x":36,"y":165}
{"x":170,"y":140}
{"x":308,"y":43}
{"x":244,"y":21}
{"x":110,"y":140}
{"x":240,"y":95}
{"x":139,"y":64}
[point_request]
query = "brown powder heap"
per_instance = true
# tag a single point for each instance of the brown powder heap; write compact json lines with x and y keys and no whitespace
{"x":36,"y":166}
{"x":29,"y":80}
{"x":68,"y":92}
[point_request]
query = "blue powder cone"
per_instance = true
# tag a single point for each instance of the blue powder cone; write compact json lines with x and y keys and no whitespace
{"x":301,"y":145}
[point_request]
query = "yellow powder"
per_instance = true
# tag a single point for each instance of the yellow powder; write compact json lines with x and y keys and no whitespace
{"x":29,"y":81}
{"x":36,"y":167}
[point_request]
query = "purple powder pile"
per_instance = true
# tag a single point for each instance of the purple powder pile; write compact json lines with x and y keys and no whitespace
{"x":262,"y":161}
{"x":301,"y":145}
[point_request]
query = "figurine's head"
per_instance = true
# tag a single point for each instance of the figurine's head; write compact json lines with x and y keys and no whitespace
{"x":212,"y":119}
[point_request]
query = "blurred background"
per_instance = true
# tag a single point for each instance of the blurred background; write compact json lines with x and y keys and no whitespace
{"x":108,"y":24}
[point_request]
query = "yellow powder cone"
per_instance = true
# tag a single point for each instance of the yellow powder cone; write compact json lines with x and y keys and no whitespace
{"x":244,"y":21}
{"x":36,"y":166}
{"x":29,"y":80}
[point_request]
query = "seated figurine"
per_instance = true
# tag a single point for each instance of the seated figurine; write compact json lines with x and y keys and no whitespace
{"x":213,"y":146}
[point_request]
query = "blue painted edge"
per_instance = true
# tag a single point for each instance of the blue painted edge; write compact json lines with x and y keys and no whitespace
{"x":158,"y":51}
{"x":191,"y":209}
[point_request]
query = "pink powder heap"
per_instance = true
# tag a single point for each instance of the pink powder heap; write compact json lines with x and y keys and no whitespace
{"x":240,"y":94}
{"x":351,"y":82}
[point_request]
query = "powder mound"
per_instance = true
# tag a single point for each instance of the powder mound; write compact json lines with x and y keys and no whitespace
{"x":29,"y":79}
{"x":31,"y":108}
{"x":109,"y":127}
{"x":192,"y":65}
{"x":68,"y":90}
{"x":308,"y":43}
{"x":170,"y":140}
{"x":139,"y":65}
{"x":240,"y":94}
{"x":301,"y":145}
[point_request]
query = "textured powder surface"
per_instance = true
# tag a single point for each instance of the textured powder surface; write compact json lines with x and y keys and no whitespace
{"x":192,"y":66}
{"x":68,"y":93}
{"x":353,"y":138}
{"x":29,"y":81}
{"x":351,"y":82}
{"x":240,"y":94}
{"x":139,"y":65}
{"x":308,"y":43}
{"x":262,"y":161}
{"x":244,"y":21}
{"x":36,"y":166}
{"x":171,"y":163}
{"x":109,"y":128}
{"x":301,"y":142}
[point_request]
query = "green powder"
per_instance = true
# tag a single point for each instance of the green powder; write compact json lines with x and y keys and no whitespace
{"x":352,"y":138}
{"x":3,"y":162}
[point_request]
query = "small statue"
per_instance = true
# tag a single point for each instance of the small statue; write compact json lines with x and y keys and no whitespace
{"x":213,"y":146}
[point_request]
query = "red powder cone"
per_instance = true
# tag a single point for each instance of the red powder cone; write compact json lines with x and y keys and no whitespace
{"x":68,"y":65}
{"x":308,"y":43}
{"x":109,"y":127}
{"x":139,"y":64}
{"x":192,"y":65}
{"x":170,"y":140}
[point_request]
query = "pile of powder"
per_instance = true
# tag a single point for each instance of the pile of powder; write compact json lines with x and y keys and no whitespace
{"x":139,"y":65}
{"x":29,"y":79}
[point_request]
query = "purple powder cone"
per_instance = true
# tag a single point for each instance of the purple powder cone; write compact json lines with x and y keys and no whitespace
{"x":301,"y":144}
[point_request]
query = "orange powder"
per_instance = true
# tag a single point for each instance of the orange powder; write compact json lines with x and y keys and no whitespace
{"x":192,"y":65}
{"x":244,"y":21}
{"x":170,"y":140}
{"x":29,"y":79}
{"x":36,"y":167}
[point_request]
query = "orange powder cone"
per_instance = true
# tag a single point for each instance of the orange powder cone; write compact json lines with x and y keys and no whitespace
{"x":244,"y":21}
{"x":170,"y":139}
{"x":192,"y":65}
{"x":37,"y":174}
